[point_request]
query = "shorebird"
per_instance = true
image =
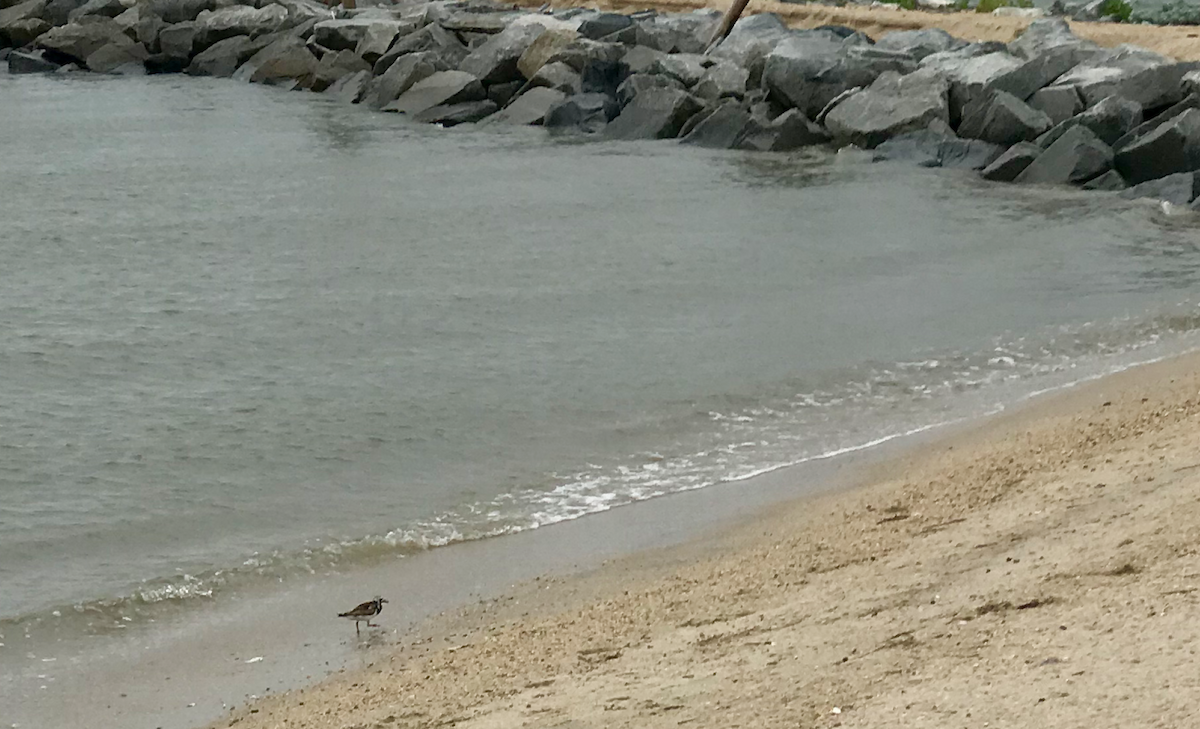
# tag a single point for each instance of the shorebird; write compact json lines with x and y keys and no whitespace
{"x":364,"y":612}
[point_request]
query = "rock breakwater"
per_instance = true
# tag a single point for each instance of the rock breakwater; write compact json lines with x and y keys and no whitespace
{"x":1049,"y":107}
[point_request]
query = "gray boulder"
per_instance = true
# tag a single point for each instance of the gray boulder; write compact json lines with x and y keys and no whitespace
{"x":333,"y":66}
{"x":212,"y":26}
{"x":558,"y":76}
{"x":1047,"y":34}
{"x":1171,"y":147}
{"x":21,"y":24}
{"x":528,"y":108}
{"x":931,"y":148}
{"x":919,"y":43}
{"x":588,"y":112}
{"x":790,"y":130}
{"x":893,"y":104}
{"x":178,"y":11}
{"x":752,"y":39}
{"x":722,"y":80}
{"x":1060,"y":103}
{"x":58,"y":12}
{"x":344,"y":34}
{"x":400,"y":77}
{"x":179,"y":40}
{"x":721,"y":129}
{"x":1154,"y":122}
{"x":1112,"y":118}
{"x":378,"y":38}
{"x":807,"y":72}
{"x":147,"y":31}
{"x":542,"y":49}
{"x":1002,"y":119}
{"x":658,"y":113}
{"x":1114,"y":71}
{"x":99,"y":8}
{"x":1157,"y":86}
{"x":641,"y":59}
{"x":581,"y":54}
{"x":604,"y":24}
{"x":443,"y":88}
{"x":1110,"y":181}
{"x":970,"y":76}
{"x":76,"y":41}
{"x":1179,"y":188}
{"x":431,"y":38}
{"x":496,"y":60}
{"x":286,"y":62}
{"x":124,"y":56}
{"x":224,"y":57}
{"x":687,"y":68}
{"x":449,"y":115}
{"x":1011,"y":163}
{"x":30,"y":62}
{"x":1036,"y":73}
{"x":1076,"y":157}
{"x":639,"y":82}
{"x":351,"y":87}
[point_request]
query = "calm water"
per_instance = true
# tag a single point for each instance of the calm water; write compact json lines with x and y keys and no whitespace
{"x":248,"y":335}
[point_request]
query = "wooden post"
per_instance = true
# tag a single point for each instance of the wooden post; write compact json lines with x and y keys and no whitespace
{"x":731,"y":15}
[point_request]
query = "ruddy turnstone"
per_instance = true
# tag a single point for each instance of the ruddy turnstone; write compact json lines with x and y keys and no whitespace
{"x":364,"y":612}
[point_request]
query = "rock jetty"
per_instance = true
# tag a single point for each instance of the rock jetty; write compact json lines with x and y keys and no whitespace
{"x":1048,"y":107}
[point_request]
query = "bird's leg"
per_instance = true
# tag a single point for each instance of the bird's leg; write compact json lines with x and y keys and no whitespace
{"x":356,"y":628}
{"x":372,"y":625}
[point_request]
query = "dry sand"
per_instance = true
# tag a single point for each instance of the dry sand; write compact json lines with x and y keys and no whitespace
{"x":1042,"y":569}
{"x":1181,"y":42}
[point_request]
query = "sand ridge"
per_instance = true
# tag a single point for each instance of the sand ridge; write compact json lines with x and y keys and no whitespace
{"x":1041,"y":571}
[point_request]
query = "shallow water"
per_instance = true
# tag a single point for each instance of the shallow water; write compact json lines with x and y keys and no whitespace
{"x":251,"y":336}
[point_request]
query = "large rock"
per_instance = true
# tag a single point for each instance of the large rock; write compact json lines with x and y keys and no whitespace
{"x":400,"y":77}
{"x":99,"y":8}
{"x":1036,"y":73}
{"x":752,"y":39}
{"x":558,"y":76}
{"x":1171,"y":147}
{"x":1012,"y":162}
{"x":1112,"y":118}
{"x":30,"y":62}
{"x":543,"y":47}
{"x":147,"y":31}
{"x":378,"y":38}
{"x":21,"y":24}
{"x":224,"y":57}
{"x":654,"y":114}
{"x":1060,"y":103}
{"x":931,"y":148}
{"x":722,"y":80}
{"x":790,"y":130}
{"x":213,"y":26}
{"x":285,"y":62}
{"x":639,"y":82}
{"x":891,"y":105}
{"x":1178,"y":189}
{"x":1110,"y":181}
{"x":1157,"y":86}
{"x":722,"y":129}
{"x":807,"y":72}
{"x":687,"y":68}
{"x":441,"y":88}
{"x":1076,"y":157}
{"x":58,"y":12}
{"x":334,"y":66}
{"x":1002,"y":119}
{"x":528,"y":108}
{"x":124,"y":56}
{"x":919,"y":43}
{"x":588,"y":112}
{"x":677,"y":33}
{"x":76,"y":41}
{"x":345,"y":34}
{"x":449,"y":115}
{"x":432,"y":38}
{"x":179,"y":11}
{"x":1113,"y":71}
{"x":350,"y":88}
{"x":970,"y":76}
{"x":1047,"y":34}
{"x":179,"y":40}
{"x":496,"y":60}
{"x":582,"y":53}
{"x":604,"y":24}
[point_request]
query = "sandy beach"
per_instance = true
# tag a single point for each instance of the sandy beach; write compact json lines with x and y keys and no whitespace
{"x":1039,"y":569}
{"x":1181,"y":42}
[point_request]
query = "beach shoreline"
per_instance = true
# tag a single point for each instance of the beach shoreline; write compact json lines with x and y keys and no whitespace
{"x":1021,"y":570}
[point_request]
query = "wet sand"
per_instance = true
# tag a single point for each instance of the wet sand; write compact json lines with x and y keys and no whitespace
{"x":1039,"y":569}
{"x":1181,"y":42}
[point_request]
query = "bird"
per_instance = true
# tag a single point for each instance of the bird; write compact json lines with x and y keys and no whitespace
{"x":364,"y":611}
